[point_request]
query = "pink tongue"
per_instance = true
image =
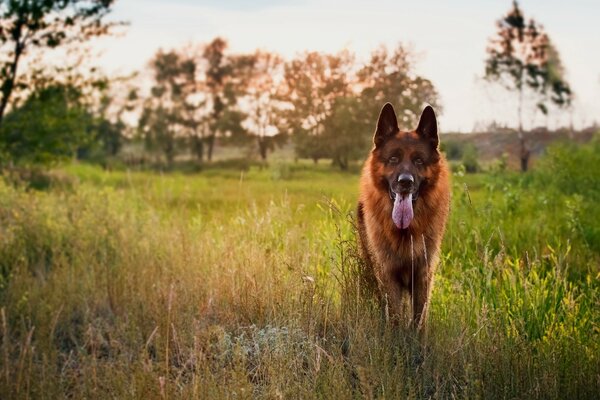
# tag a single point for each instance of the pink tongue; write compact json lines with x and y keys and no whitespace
{"x":402,"y":214}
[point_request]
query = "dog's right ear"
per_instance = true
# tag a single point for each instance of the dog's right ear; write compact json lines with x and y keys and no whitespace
{"x":387,"y":125}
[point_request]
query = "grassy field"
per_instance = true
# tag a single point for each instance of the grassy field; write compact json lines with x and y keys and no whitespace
{"x":229,"y":284}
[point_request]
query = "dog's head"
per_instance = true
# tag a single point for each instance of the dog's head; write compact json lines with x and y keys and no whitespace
{"x":405,"y":162}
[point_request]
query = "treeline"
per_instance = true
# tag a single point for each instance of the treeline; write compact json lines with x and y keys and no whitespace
{"x":190,"y":99}
{"x":325,"y":103}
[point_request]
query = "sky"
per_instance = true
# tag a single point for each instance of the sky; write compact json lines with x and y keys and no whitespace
{"x":448,"y":37}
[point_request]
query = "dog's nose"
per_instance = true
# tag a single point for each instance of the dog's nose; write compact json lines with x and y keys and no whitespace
{"x":406,"y":180}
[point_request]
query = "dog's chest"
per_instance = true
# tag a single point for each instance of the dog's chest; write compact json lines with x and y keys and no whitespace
{"x":396,"y":251}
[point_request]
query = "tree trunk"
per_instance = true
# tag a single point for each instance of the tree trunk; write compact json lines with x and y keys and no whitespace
{"x":198,"y":148}
{"x":8,"y":85}
{"x":210,"y":141}
{"x":169,"y":150}
{"x":170,"y":156}
{"x":344,"y":163}
{"x":341,"y":162}
{"x":263,"y":148}
{"x":524,"y":152}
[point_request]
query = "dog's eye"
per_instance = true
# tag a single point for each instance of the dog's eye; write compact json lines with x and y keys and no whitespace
{"x":418,"y":161}
{"x":393,"y":160}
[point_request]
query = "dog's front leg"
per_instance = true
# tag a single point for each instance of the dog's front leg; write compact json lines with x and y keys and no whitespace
{"x":421,"y":291}
{"x":396,"y":299}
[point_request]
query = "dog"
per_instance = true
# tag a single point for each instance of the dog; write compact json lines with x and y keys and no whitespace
{"x":403,"y":207}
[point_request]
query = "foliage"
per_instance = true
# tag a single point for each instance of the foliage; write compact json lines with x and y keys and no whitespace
{"x":523,"y":59}
{"x":34,"y":24}
{"x":224,"y":83}
{"x":162,"y":117}
{"x":522,"y":56}
{"x":389,"y":77}
{"x":312,"y":84}
{"x":571,"y":170}
{"x":469,"y":158}
{"x":106,"y":133}
{"x":333,"y":105}
{"x":344,"y":137}
{"x":50,"y":126}
{"x":261,"y":83}
{"x":452,"y":149}
{"x":157,"y":126}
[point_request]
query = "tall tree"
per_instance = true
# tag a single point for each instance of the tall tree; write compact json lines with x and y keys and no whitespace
{"x":195,"y":119}
{"x":522,"y":59}
{"x":389,"y":77}
{"x":313,"y":83}
{"x":106,"y":131}
{"x":347,"y":131}
{"x":262,"y":80}
{"x":157,"y":127}
{"x":223,"y":83}
{"x":43,"y":24}
{"x":163,"y":116}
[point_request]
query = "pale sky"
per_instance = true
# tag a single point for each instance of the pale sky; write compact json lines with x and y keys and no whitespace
{"x":449,"y":37}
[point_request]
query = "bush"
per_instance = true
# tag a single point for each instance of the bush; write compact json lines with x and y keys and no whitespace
{"x":572,"y":173}
{"x":48,"y":127}
{"x":39,"y":179}
{"x":469,"y":159}
{"x":453,"y":149}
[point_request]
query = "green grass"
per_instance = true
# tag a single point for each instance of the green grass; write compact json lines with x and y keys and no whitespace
{"x":245,"y":285}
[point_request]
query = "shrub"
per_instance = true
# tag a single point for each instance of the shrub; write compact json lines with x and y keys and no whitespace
{"x":469,"y":159}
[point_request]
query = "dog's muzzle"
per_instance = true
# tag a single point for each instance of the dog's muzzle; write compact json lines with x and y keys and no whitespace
{"x":405,"y":184}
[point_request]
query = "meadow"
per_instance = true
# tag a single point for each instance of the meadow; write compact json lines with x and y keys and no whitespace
{"x":246,"y":284}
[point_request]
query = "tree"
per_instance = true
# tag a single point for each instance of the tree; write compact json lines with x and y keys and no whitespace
{"x":44,"y":24}
{"x":522,"y":59}
{"x":196,"y":121}
{"x":194,"y":109}
{"x":163,"y":114}
{"x":48,"y":127}
{"x":389,"y":77}
{"x":106,"y":135}
{"x":157,"y":127}
{"x":312,"y":84}
{"x":347,"y":131}
{"x":223,"y":85}
{"x":260,"y":98}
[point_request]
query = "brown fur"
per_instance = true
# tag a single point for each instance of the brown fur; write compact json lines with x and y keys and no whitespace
{"x":403,"y":261}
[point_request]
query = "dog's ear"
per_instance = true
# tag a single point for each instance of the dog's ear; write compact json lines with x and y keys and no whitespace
{"x":387,"y":125}
{"x":428,"y":126}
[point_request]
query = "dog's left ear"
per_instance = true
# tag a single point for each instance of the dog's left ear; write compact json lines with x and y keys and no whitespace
{"x":428,"y":126}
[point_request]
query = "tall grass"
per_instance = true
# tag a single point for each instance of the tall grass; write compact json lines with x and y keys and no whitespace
{"x":247,"y":285}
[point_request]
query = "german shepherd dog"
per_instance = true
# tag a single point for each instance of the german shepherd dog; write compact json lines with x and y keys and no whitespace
{"x":402,"y":211}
